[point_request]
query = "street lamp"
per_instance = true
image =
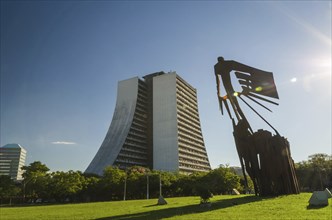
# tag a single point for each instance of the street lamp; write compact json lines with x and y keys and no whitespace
{"x":161,"y":200}
{"x":147,"y":185}
{"x":125,"y":188}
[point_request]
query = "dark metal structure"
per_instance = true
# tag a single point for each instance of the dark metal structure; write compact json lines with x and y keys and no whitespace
{"x":265,"y":157}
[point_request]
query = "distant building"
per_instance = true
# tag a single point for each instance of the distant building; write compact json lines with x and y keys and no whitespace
{"x":12,"y":158}
{"x":156,"y":125}
{"x":238,"y":170}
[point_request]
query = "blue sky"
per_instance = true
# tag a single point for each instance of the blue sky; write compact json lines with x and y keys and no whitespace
{"x":61,"y":61}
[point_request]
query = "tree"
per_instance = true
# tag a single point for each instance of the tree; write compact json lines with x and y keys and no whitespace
{"x":222,"y":180}
{"x":315,"y":173}
{"x":65,"y":186}
{"x":8,"y":189}
{"x":91,"y":190}
{"x":112,"y":183}
{"x":136,"y":182}
{"x":168,"y":181}
{"x":246,"y":188}
{"x":35,"y":180}
{"x":34,"y":169}
{"x":204,"y":192}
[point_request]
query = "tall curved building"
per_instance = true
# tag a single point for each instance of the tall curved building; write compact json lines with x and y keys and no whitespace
{"x":156,"y":125}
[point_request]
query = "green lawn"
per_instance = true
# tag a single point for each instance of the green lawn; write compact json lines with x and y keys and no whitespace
{"x":223,"y":207}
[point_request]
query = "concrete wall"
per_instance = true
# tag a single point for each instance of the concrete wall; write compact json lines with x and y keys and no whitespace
{"x":119,"y":128}
{"x":165,"y":133}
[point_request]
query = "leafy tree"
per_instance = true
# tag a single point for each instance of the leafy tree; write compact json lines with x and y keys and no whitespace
{"x":8,"y":188}
{"x":66,"y":186}
{"x":204,"y":192}
{"x":34,"y":169}
{"x":189,"y":185}
{"x":168,"y":180}
{"x":315,"y":173}
{"x":136,"y":182}
{"x":112,"y":183}
{"x":91,"y":190}
{"x":154,"y":184}
{"x":222,"y":180}
{"x":35,"y":180}
{"x":250,"y":185}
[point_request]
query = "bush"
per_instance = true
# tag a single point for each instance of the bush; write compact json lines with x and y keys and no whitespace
{"x":204,"y":192}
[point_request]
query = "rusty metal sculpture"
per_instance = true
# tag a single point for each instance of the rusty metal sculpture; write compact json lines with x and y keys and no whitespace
{"x":265,"y":157}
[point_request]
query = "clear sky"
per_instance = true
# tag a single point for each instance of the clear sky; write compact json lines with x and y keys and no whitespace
{"x":61,"y":61}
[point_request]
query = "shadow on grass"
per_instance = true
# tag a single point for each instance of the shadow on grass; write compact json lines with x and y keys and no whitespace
{"x":184,"y":210}
{"x":147,"y":206}
{"x":316,"y":207}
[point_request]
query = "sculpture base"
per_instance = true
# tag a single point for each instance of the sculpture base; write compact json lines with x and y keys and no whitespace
{"x":161,"y":201}
{"x":267,"y":160}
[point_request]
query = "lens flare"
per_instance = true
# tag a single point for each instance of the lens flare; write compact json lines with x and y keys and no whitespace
{"x":258,"y":89}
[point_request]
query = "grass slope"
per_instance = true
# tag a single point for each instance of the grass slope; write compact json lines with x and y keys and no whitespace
{"x":223,"y":207}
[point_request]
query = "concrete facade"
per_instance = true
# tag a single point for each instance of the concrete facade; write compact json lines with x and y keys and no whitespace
{"x":12,"y":159}
{"x":119,"y":128}
{"x":165,"y":131}
{"x":156,"y":125}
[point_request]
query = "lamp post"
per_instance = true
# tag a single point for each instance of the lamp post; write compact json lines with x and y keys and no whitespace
{"x":147,"y":185}
{"x":125,"y":188}
{"x":161,"y":200}
{"x":160,"y":193}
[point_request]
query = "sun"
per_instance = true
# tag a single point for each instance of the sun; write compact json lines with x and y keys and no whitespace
{"x":324,"y":63}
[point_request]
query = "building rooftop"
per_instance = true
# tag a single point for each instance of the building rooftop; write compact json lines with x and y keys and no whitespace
{"x":13,"y":146}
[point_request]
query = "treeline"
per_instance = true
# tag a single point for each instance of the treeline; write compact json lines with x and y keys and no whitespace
{"x":315,"y":173}
{"x":40,"y":185}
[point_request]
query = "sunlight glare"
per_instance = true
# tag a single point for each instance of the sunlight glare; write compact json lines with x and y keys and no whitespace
{"x":258,"y":89}
{"x":323,"y":62}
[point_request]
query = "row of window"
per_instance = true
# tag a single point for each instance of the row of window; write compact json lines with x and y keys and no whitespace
{"x":126,"y":154}
{"x":130,"y":161}
{"x":190,"y":143}
{"x":195,"y":153}
{"x":187,"y":127}
{"x":189,"y":98}
{"x":134,"y":149}
{"x":181,"y":117}
{"x":192,"y":133}
{"x":138,"y":126}
{"x":193,"y":162}
{"x":185,"y":85}
{"x":195,"y":159}
{"x":182,"y":99}
{"x":183,"y":108}
{"x":190,"y":168}
{"x":190,"y":147}
{"x":135,"y":144}
{"x":136,"y":139}
{"x":191,"y":138}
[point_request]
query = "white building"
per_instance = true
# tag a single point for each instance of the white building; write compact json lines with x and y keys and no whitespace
{"x":156,"y":125}
{"x":12,"y":158}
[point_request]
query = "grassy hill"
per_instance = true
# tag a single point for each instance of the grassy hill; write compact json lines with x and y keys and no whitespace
{"x":223,"y":207}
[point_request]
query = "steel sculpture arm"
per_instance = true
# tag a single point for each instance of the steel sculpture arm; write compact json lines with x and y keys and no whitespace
{"x":255,"y":83}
